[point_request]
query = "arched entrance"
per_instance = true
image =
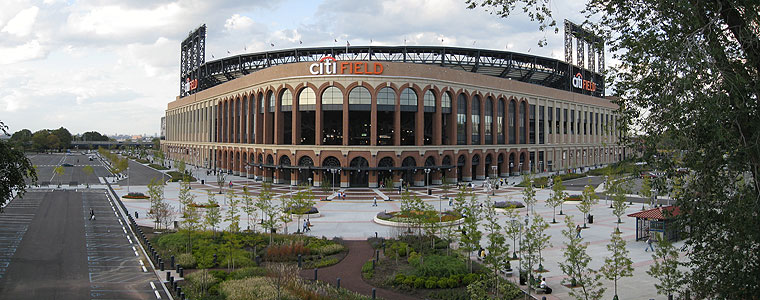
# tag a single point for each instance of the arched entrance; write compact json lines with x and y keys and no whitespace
{"x":446,"y":163}
{"x":429,"y":164}
{"x":488,"y":169}
{"x":474,"y":167}
{"x":460,"y":167}
{"x":512,"y":164}
{"x":359,"y":177}
{"x":327,"y":176}
{"x":408,"y":174}
{"x":304,"y":166}
{"x":522,"y":162}
{"x":284,"y":171}
{"x":268,"y":174}
{"x":385,"y":164}
{"x":499,"y":163}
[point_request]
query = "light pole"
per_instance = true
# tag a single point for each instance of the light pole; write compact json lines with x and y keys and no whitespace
{"x":520,"y":168}
{"x":333,"y":171}
{"x":427,"y":176}
{"x":515,"y":224}
{"x":127,"y":176}
{"x":511,"y":165}
{"x":247,"y":168}
{"x":606,"y":188}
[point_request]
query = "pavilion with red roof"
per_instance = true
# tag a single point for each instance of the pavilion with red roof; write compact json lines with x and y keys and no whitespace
{"x":660,"y":219}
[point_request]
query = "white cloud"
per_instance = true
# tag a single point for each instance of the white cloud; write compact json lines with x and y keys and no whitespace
{"x":238,"y":22}
{"x":28,"y":51}
{"x":114,"y":20}
{"x":21,"y":25}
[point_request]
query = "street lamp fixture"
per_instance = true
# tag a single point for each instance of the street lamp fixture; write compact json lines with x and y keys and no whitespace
{"x":427,"y":177}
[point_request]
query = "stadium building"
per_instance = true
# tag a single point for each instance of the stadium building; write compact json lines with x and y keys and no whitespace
{"x":360,"y":116}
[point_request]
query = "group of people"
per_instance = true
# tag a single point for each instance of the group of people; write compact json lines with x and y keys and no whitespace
{"x":306,"y":225}
{"x":341,"y":196}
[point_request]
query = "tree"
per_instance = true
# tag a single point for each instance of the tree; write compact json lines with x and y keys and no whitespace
{"x":558,"y":196}
{"x":191,"y":223}
{"x":575,"y":266}
{"x":181,"y":168}
{"x":514,"y":228}
{"x":88,"y":171}
{"x":220,"y":179}
{"x":269,"y":210}
{"x":708,"y":53}
{"x":39,"y":140}
{"x":535,"y":241}
{"x":498,"y":249}
{"x":213,"y":214}
{"x":15,"y":169}
{"x":618,"y":200}
{"x":64,"y":137}
{"x":22,"y":139}
{"x":249,"y":207}
{"x":665,"y":268}
{"x":618,"y":264}
{"x":156,"y":194}
{"x":302,"y":201}
{"x":589,"y":199}
{"x":467,"y":204}
{"x":184,"y":196}
{"x":232,"y":212}
{"x":281,"y":275}
{"x":529,"y":193}
{"x":646,"y":190}
{"x":59,"y":170}
{"x":93,"y":136}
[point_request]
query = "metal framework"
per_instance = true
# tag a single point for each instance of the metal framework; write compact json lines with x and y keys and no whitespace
{"x":515,"y":66}
{"x":595,"y":44}
{"x":192,"y":56}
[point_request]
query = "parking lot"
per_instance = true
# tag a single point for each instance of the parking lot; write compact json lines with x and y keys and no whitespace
{"x":73,"y":166}
{"x":50,"y":249}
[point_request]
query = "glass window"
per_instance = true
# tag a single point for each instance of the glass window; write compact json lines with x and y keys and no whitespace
{"x":359,"y":95}
{"x":386,"y":99}
{"x":408,"y":97}
{"x":475,"y":120}
{"x":286,"y":100}
{"x":488,"y":119}
{"x":307,"y":99}
{"x":461,"y":119}
{"x":429,"y":101}
{"x":550,"y":114}
{"x":332,"y":96}
{"x":512,"y":115}
{"x":446,"y":101}
{"x":500,"y":122}
{"x":271,"y":102}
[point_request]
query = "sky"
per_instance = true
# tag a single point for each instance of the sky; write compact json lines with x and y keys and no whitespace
{"x":112,"y":66}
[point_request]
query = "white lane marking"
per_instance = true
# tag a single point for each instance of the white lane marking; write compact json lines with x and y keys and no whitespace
{"x":153,"y":286}
{"x":141,"y":263}
{"x":144,"y":269}
{"x":136,"y":254}
{"x":157,"y":295}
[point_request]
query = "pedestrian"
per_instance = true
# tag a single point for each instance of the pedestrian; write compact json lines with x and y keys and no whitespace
{"x":344,"y":196}
{"x":305,"y":225}
{"x":374,"y":199}
{"x":649,"y":244}
{"x":230,"y":183}
{"x":577,"y":231}
{"x":451,"y":201}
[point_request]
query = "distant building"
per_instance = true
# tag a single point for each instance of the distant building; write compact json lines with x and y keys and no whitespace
{"x":163,"y":128}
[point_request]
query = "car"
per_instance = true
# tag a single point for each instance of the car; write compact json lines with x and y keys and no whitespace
{"x":67,"y":165}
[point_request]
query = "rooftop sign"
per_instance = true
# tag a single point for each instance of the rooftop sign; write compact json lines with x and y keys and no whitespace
{"x":330,"y":66}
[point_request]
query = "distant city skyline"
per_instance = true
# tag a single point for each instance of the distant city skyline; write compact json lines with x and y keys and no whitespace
{"x":112,"y":67}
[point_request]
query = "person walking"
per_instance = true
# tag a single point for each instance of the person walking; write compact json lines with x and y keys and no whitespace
{"x":649,"y":244}
{"x":374,"y":201}
{"x":577,"y":231}
{"x":305,"y":226}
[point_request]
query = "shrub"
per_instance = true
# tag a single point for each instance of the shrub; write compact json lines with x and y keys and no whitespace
{"x":430,"y":284}
{"x":399,"y":279}
{"x":414,"y":260}
{"x":443,"y":283}
{"x":384,"y":216}
{"x":469,"y":278}
{"x":507,"y":204}
{"x":249,"y":288}
{"x":400,"y":247}
{"x":419,"y":283}
{"x":326,"y":262}
{"x":219,"y":274}
{"x":286,"y":251}
{"x":452,"y":283}
{"x":367,"y":271}
{"x":329,"y":249}
{"x":437,"y":265}
{"x":186,"y":260}
{"x":302,"y":210}
{"x":247,"y":272}
{"x":409,"y":281}
{"x":199,"y":282}
{"x":574,"y":198}
{"x":452,"y":295}
{"x":136,"y":195}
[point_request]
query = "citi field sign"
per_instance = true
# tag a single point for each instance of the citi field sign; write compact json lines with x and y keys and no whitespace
{"x":329,"y":66}
{"x":579,"y":83}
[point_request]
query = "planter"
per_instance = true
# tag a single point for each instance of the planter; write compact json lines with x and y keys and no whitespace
{"x":405,"y":224}
{"x":203,"y":205}
{"x":135,"y":196}
{"x":304,"y":216}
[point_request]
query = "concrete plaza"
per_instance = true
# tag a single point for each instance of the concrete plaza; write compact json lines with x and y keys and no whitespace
{"x":352,"y":218}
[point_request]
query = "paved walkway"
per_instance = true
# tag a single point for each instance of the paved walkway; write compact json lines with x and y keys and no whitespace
{"x":350,"y":272}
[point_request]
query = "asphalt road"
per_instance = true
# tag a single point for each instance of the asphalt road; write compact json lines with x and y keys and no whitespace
{"x":45,"y":164}
{"x":50,"y":249}
{"x":140,"y":174}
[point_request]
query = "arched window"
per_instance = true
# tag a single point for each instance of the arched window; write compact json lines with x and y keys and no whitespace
{"x":286,"y":100}
{"x":386,"y":99}
{"x":446,"y":103}
{"x":500,"y":122}
{"x":461,"y":119}
{"x":512,"y":119}
{"x":429,"y":101}
{"x":408,"y":100}
{"x":307,"y":100}
{"x":332,"y":99}
{"x":475,"y":120}
{"x":271,"y":102}
{"x":359,"y":99}
{"x":488,"y":119}
{"x":261,"y":103}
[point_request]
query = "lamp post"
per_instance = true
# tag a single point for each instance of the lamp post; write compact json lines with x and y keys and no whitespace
{"x":520,"y":168}
{"x":606,"y":188}
{"x":333,"y":171}
{"x":247,"y":169}
{"x":511,"y":165}
{"x":427,"y":176}
{"x":515,"y":224}
{"x":495,"y":176}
